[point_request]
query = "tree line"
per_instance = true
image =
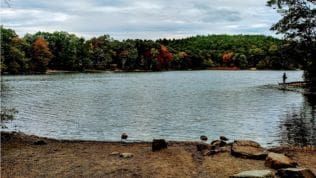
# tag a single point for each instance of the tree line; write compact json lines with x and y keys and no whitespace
{"x":35,"y":53}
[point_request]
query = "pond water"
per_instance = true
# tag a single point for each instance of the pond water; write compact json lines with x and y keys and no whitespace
{"x":176,"y":105}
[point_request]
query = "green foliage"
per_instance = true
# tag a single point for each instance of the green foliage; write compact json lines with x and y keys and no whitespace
{"x":99,"y":52}
{"x":69,"y":52}
{"x":298,"y":25}
{"x":13,"y":52}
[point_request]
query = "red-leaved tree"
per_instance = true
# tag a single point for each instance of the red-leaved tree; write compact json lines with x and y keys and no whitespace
{"x":164,"y":58}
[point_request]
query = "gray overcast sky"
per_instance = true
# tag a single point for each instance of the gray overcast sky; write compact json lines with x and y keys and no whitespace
{"x":150,"y":19}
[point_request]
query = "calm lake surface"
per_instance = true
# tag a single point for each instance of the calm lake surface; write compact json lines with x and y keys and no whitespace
{"x":177,"y":105}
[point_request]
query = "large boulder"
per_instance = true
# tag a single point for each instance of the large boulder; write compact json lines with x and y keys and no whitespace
{"x":254,"y":174}
{"x":159,"y":144}
{"x":296,"y":172}
{"x":248,"y":149}
{"x":246,"y":143}
{"x":278,"y":161}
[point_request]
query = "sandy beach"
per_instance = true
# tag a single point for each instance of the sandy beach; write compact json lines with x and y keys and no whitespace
{"x":23,"y":156}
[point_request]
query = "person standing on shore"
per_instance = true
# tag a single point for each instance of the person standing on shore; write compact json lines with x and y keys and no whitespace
{"x":284,"y":77}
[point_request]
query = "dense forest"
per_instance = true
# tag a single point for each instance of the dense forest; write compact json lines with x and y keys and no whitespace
{"x":35,"y":53}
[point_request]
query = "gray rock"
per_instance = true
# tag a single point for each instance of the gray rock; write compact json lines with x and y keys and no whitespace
{"x":254,"y":174}
{"x":124,"y":136}
{"x":126,"y":155}
{"x":278,"y":161}
{"x":203,"y":138}
{"x":296,"y":172}
{"x":223,"y":138}
{"x":248,"y":149}
{"x":246,"y":143}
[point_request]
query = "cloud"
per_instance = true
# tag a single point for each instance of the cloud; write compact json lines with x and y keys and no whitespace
{"x":140,"y":19}
{"x":30,"y":17}
{"x":220,"y":14}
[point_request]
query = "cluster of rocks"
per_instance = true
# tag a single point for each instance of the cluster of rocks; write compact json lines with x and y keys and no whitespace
{"x":216,"y":146}
{"x":284,"y":166}
{"x":247,"y":149}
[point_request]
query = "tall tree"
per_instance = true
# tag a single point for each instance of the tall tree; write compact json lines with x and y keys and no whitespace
{"x":100,"y":51}
{"x":41,"y":55}
{"x":298,"y":24}
{"x":164,"y":58}
{"x":13,"y":52}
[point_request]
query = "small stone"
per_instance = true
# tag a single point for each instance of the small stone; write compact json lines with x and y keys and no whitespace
{"x":115,"y":153}
{"x":159,"y":144}
{"x":126,"y":155}
{"x":40,"y":142}
{"x":203,"y":138}
{"x":278,"y":161}
{"x":254,"y":174}
{"x":296,"y":172}
{"x":223,"y":138}
{"x":124,"y":136}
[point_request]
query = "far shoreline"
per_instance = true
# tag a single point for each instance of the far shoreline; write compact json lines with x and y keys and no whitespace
{"x":49,"y":72}
{"x":91,"y":71}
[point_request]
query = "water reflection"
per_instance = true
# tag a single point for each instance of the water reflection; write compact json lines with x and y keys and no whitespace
{"x":298,"y":127}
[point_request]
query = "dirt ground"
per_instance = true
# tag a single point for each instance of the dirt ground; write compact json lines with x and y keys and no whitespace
{"x":20,"y":157}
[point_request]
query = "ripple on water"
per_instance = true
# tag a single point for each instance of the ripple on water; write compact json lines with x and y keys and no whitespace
{"x":171,"y":105}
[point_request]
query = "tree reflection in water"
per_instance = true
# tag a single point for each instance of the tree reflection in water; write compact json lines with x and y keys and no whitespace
{"x":299,"y":126}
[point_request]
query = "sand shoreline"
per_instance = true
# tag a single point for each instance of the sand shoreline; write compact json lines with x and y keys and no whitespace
{"x":21,"y":157}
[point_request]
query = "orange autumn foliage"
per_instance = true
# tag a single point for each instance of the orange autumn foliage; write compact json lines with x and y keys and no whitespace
{"x":41,"y":55}
{"x":227,"y":57}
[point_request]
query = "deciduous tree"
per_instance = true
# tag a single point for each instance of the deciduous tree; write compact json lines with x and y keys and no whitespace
{"x":41,"y":55}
